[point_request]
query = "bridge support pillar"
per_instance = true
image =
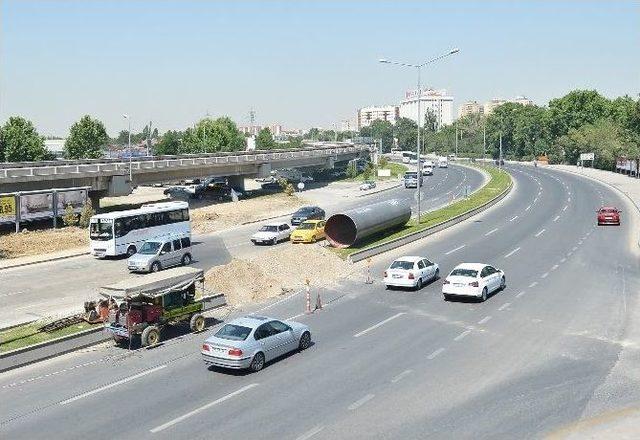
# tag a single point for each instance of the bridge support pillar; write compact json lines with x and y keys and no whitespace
{"x":264,"y":170}
{"x":95,"y":197}
{"x":331,"y":163}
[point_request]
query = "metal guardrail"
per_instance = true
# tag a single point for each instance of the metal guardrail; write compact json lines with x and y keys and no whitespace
{"x":401,"y":241}
{"x":32,"y":169}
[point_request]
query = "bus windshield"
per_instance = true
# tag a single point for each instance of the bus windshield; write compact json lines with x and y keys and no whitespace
{"x":101,"y":230}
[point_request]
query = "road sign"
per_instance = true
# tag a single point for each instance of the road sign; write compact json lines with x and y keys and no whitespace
{"x":300,"y":186}
{"x":587,"y":156}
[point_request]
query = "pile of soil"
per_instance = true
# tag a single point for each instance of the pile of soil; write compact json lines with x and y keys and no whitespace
{"x":275,"y":272}
{"x":225,"y":215}
{"x":41,"y":242}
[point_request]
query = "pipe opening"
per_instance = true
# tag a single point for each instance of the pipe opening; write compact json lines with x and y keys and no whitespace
{"x":340,"y":230}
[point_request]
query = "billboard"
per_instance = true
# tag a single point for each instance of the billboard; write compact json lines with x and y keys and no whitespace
{"x":587,"y":156}
{"x":39,"y":205}
{"x":35,"y":206}
{"x":7,"y":208}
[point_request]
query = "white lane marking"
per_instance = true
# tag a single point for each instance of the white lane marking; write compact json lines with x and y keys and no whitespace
{"x":556,"y":219}
{"x":310,"y":433}
{"x":540,"y":232}
{"x":520,"y":294}
{"x":114,"y":384}
{"x":512,"y":252}
{"x":375,"y":326}
{"x":435,"y":353}
{"x":462,"y":335}
{"x":484,"y":320}
{"x":565,"y":207}
{"x":544,"y":275}
{"x":554,"y":267}
{"x":514,"y":217}
{"x":453,"y":250}
{"x":534,"y":284}
{"x":569,"y":254}
{"x":401,"y":375}
{"x":562,"y":260}
{"x":202,"y":408}
{"x":527,"y":208}
{"x":580,"y":242}
{"x":358,"y":403}
{"x":568,"y":199}
{"x":491,"y":232}
{"x":504,"y":306}
{"x":575,"y":248}
{"x":3,"y":295}
{"x":535,"y":200}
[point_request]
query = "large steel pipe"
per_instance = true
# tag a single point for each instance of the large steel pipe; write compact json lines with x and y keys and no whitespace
{"x":346,"y":228}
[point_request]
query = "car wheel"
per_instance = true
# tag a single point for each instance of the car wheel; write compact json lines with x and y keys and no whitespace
{"x":274,"y":241}
{"x":305,"y":341}
{"x":419,"y":284}
{"x":186,"y":259}
{"x":446,"y":297}
{"x":503,"y":283}
{"x":131,"y":250}
{"x":313,"y":239}
{"x":196,"y":323}
{"x":150,"y":336}
{"x":484,"y":294}
{"x":155,"y":267}
{"x":257,"y":362}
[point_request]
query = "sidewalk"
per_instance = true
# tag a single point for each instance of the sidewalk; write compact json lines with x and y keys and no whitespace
{"x":34,"y":259}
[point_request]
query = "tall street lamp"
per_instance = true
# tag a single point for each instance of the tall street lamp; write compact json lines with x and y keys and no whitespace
{"x":129,"y":146}
{"x":418,"y":67}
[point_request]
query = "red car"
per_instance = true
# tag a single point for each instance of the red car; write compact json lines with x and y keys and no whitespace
{"x":608,"y":216}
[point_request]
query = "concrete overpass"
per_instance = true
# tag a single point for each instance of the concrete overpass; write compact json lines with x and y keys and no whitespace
{"x":111,"y":176}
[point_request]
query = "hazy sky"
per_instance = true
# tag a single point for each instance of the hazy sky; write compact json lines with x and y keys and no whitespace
{"x":297,"y":63}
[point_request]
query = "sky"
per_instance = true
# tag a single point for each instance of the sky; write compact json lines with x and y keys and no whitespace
{"x":298,"y":63}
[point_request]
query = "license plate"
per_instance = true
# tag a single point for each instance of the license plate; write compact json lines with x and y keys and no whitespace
{"x":608,"y":218}
{"x":395,"y":275}
{"x":458,"y":284}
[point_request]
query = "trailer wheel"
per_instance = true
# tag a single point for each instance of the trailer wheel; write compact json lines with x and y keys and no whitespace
{"x":197,"y":323}
{"x":150,"y":336}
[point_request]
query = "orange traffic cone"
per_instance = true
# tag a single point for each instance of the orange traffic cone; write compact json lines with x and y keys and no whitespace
{"x":308,"y":308}
{"x":318,"y":302}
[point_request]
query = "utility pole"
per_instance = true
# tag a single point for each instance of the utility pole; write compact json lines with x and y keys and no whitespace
{"x":500,"y":157}
{"x":456,"y":140}
{"x":484,"y":142}
{"x":149,"y":138}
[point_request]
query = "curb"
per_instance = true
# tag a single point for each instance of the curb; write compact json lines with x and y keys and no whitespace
{"x":30,"y":263}
{"x":401,"y":241}
{"x":9,"y":327}
{"x":379,"y":191}
{"x":267,"y":218}
{"x":47,"y":350}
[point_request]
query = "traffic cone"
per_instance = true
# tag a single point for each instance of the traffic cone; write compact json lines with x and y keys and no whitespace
{"x":369,"y":279}
{"x":318,"y":302}
{"x":308,"y":310}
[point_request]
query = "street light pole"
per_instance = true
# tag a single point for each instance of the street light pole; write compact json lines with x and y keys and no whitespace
{"x":456,"y":140}
{"x":484,"y":141}
{"x":129,"y":146}
{"x":418,"y":67}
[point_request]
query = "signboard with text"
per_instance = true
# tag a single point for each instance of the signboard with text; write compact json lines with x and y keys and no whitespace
{"x":587,"y":156}
{"x":7,"y":208}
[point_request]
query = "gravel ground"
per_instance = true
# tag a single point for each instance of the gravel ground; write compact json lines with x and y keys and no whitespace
{"x":275,"y":272}
{"x":41,"y":242}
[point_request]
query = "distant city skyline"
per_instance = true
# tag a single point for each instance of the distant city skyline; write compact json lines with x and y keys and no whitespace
{"x":298,"y":65}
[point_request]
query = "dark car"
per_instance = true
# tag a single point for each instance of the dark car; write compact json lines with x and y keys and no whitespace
{"x":307,"y":213}
{"x":608,"y":216}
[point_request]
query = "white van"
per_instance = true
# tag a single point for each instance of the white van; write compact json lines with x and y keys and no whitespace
{"x":160,"y":253}
{"x":443,"y":162}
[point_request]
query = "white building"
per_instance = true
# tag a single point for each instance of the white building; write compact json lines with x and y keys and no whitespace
{"x":490,"y":106}
{"x":437,"y":101}
{"x":470,"y":108}
{"x":367,"y":115}
{"x":55,"y":146}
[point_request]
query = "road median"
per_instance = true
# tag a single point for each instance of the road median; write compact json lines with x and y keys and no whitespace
{"x":498,"y":186}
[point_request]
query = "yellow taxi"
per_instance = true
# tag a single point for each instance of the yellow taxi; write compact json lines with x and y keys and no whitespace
{"x":309,"y":231}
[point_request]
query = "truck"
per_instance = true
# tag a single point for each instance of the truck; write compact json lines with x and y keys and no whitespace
{"x":142,"y":307}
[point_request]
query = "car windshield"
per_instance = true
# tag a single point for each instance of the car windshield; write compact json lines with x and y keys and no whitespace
{"x":307,"y":225}
{"x":233,"y":332}
{"x":399,"y":264}
{"x":304,"y":211}
{"x":464,"y":273}
{"x":410,"y":175}
{"x":608,"y":210}
{"x":268,"y":228}
{"x":150,"y":248}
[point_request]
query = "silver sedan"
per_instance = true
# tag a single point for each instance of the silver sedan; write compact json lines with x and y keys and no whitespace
{"x":250,"y":341}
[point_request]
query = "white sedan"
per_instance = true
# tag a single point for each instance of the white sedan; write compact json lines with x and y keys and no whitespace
{"x":473,"y":279}
{"x":410,"y":271}
{"x":272,"y":233}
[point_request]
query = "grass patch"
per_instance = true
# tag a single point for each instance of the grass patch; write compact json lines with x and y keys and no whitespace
{"x":397,"y":169}
{"x":498,"y":182}
{"x":28,"y":334}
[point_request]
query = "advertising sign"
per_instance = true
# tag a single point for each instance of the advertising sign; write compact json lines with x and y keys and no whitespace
{"x":7,"y":208}
{"x":34,"y":206}
{"x":587,"y":156}
{"x":75,"y":198}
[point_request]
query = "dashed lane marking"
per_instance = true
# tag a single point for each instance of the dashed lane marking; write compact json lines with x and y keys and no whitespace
{"x":462,"y":335}
{"x":514,"y":217}
{"x":554,"y":267}
{"x":491,"y":232}
{"x":556,"y":219}
{"x":520,"y":294}
{"x":375,"y":326}
{"x":527,"y":208}
{"x":504,"y":306}
{"x":540,"y":232}
{"x":534,"y":284}
{"x":544,"y":275}
{"x":358,"y":403}
{"x":401,"y":375}
{"x":512,"y":252}
{"x":310,"y":433}
{"x":435,"y":353}
{"x":484,"y":320}
{"x":453,"y":250}
{"x":563,"y":259}
{"x":565,"y":207}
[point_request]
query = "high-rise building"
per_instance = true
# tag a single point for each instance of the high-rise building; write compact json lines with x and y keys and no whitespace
{"x":470,"y":108}
{"x":490,"y":106}
{"x":436,"y":101}
{"x":367,"y":115}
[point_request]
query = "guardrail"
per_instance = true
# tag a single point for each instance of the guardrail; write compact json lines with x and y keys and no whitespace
{"x":401,"y":241}
{"x":98,"y":166}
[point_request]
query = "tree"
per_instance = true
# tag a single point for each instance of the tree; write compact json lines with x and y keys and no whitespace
{"x":19,"y":141}
{"x":406,"y":131}
{"x":604,"y":138}
{"x":69,"y":217}
{"x":169,"y":143}
{"x":576,"y":109}
{"x":380,"y":130}
{"x":430,"y":121}
{"x":86,"y":214}
{"x":264,"y":140}
{"x":87,"y":139}
{"x":212,"y":135}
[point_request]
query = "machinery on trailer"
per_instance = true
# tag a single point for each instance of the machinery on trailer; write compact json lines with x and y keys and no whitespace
{"x":143,"y":306}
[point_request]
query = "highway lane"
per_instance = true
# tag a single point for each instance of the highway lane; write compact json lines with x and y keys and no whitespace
{"x":529,"y":360}
{"x":68,"y":283}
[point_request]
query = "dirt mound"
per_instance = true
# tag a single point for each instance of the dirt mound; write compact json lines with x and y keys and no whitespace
{"x":42,"y":242}
{"x":220,"y":216}
{"x":275,"y":272}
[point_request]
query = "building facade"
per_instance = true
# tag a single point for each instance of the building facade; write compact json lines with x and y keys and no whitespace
{"x":367,"y":115}
{"x":470,"y":108}
{"x":437,"y":101}
{"x":490,"y":106}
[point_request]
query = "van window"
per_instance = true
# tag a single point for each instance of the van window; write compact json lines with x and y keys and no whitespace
{"x":166,"y":247}
{"x":186,"y":242}
{"x":176,"y":245}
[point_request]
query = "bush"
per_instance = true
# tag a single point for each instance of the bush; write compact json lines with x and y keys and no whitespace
{"x":368,"y":171}
{"x":86,"y":214}
{"x":283,"y":183}
{"x":69,"y":217}
{"x":289,"y":189}
{"x":352,"y":171}
{"x":383,"y":162}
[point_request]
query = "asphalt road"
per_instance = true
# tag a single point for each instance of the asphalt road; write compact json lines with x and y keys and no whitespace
{"x":61,"y":287}
{"x":552,"y":349}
